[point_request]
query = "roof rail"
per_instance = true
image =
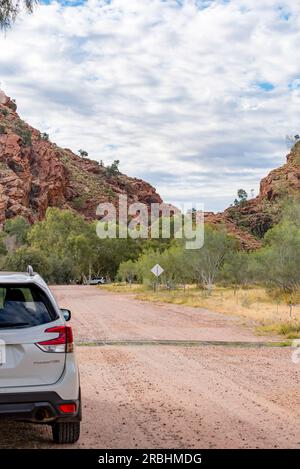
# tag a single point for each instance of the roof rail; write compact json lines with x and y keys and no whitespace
{"x":30,"y":271}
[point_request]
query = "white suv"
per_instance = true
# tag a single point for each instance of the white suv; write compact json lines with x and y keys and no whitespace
{"x":39,"y":379}
{"x":97,"y":281}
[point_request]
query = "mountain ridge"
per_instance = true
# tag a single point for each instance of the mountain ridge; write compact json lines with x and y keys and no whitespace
{"x":36,"y":174}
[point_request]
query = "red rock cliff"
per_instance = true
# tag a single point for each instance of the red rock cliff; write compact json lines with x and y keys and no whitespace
{"x":259,"y":214}
{"x":36,"y":174}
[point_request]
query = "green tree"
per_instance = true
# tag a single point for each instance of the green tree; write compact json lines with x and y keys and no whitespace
{"x":279,"y":258}
{"x":113,"y":169}
{"x":127,"y":271}
{"x":63,"y":235}
{"x":110,"y":253}
{"x":144,"y":264}
{"x":242,"y":197}
{"x":83,"y":153}
{"x":3,"y":250}
{"x":9,"y":9}
{"x":173,"y":260}
{"x":278,"y":262}
{"x":61,"y":269}
{"x":82,"y":248}
{"x":19,"y":259}
{"x":207,"y":262}
{"x":18,"y":227}
{"x":290,"y":210}
{"x":239,"y":268}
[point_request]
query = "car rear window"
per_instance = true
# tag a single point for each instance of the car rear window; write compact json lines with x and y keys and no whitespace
{"x":24,"y":306}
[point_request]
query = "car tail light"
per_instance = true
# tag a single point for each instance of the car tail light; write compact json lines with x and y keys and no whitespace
{"x":63,"y":342}
{"x":67,"y":408}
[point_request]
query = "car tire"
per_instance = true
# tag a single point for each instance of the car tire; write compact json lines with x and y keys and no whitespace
{"x":66,"y":432}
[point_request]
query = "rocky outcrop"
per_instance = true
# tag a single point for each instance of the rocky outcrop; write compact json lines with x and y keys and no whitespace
{"x":245,"y":239}
{"x":258,"y":215}
{"x":6,"y":101}
{"x":250,"y":220}
{"x":283,"y":181}
{"x":36,"y":174}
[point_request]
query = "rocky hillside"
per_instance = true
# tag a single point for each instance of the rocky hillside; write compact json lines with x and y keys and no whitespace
{"x":260,"y":214}
{"x":245,"y":238}
{"x":250,"y":220}
{"x":36,"y":174}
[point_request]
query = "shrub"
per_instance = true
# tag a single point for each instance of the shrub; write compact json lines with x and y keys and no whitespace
{"x":242,"y":197}
{"x":19,"y":227}
{"x":79,"y":202}
{"x":44,"y":136}
{"x":24,"y":133}
{"x":113,"y":169}
{"x":19,"y":260}
{"x":83,"y":153}
{"x":109,"y":192}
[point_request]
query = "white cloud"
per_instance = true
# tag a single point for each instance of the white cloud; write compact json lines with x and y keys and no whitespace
{"x":175,"y":92}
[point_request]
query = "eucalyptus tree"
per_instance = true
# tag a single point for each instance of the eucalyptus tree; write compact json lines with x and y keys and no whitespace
{"x":9,"y":10}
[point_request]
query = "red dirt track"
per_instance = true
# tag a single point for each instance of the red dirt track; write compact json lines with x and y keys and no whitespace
{"x":149,"y":395}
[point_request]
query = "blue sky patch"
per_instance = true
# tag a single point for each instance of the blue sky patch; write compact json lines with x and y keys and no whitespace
{"x":284,"y":14}
{"x":265,"y":85}
{"x":180,"y":94}
{"x":66,"y":3}
{"x":295,"y":84}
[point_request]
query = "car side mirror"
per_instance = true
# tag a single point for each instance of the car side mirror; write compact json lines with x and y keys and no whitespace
{"x":66,"y":314}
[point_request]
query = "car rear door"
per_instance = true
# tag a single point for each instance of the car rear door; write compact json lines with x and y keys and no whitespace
{"x":24,"y":324}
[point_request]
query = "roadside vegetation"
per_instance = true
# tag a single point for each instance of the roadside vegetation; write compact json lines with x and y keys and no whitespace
{"x":65,"y":248}
{"x":254,"y":304}
{"x":263,"y":285}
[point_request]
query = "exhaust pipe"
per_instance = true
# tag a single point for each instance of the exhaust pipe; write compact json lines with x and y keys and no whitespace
{"x":41,"y":414}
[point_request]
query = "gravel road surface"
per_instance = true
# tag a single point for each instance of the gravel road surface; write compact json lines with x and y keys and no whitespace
{"x":140,"y":393}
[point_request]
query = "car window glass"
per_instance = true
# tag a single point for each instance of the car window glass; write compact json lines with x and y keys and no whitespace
{"x":24,"y":306}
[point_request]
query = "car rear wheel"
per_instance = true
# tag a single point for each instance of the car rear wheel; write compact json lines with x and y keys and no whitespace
{"x":66,"y":432}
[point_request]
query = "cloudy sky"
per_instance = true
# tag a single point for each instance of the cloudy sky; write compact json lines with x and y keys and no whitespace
{"x":195,"y":96}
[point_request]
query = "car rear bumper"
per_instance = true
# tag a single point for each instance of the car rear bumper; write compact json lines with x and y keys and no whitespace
{"x":38,"y":407}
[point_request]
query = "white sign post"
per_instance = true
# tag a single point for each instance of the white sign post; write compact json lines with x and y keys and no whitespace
{"x":157,"y":270}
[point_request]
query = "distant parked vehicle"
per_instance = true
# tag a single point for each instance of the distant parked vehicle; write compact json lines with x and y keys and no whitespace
{"x":97,"y":281}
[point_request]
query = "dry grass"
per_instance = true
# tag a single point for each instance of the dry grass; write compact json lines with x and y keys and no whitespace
{"x":290,"y":329}
{"x":270,"y":314}
{"x":124,"y":288}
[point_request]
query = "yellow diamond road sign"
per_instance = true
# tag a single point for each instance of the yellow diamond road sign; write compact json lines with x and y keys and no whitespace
{"x":157,"y":270}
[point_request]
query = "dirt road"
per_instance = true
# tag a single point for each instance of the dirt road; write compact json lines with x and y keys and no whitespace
{"x":143,"y":394}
